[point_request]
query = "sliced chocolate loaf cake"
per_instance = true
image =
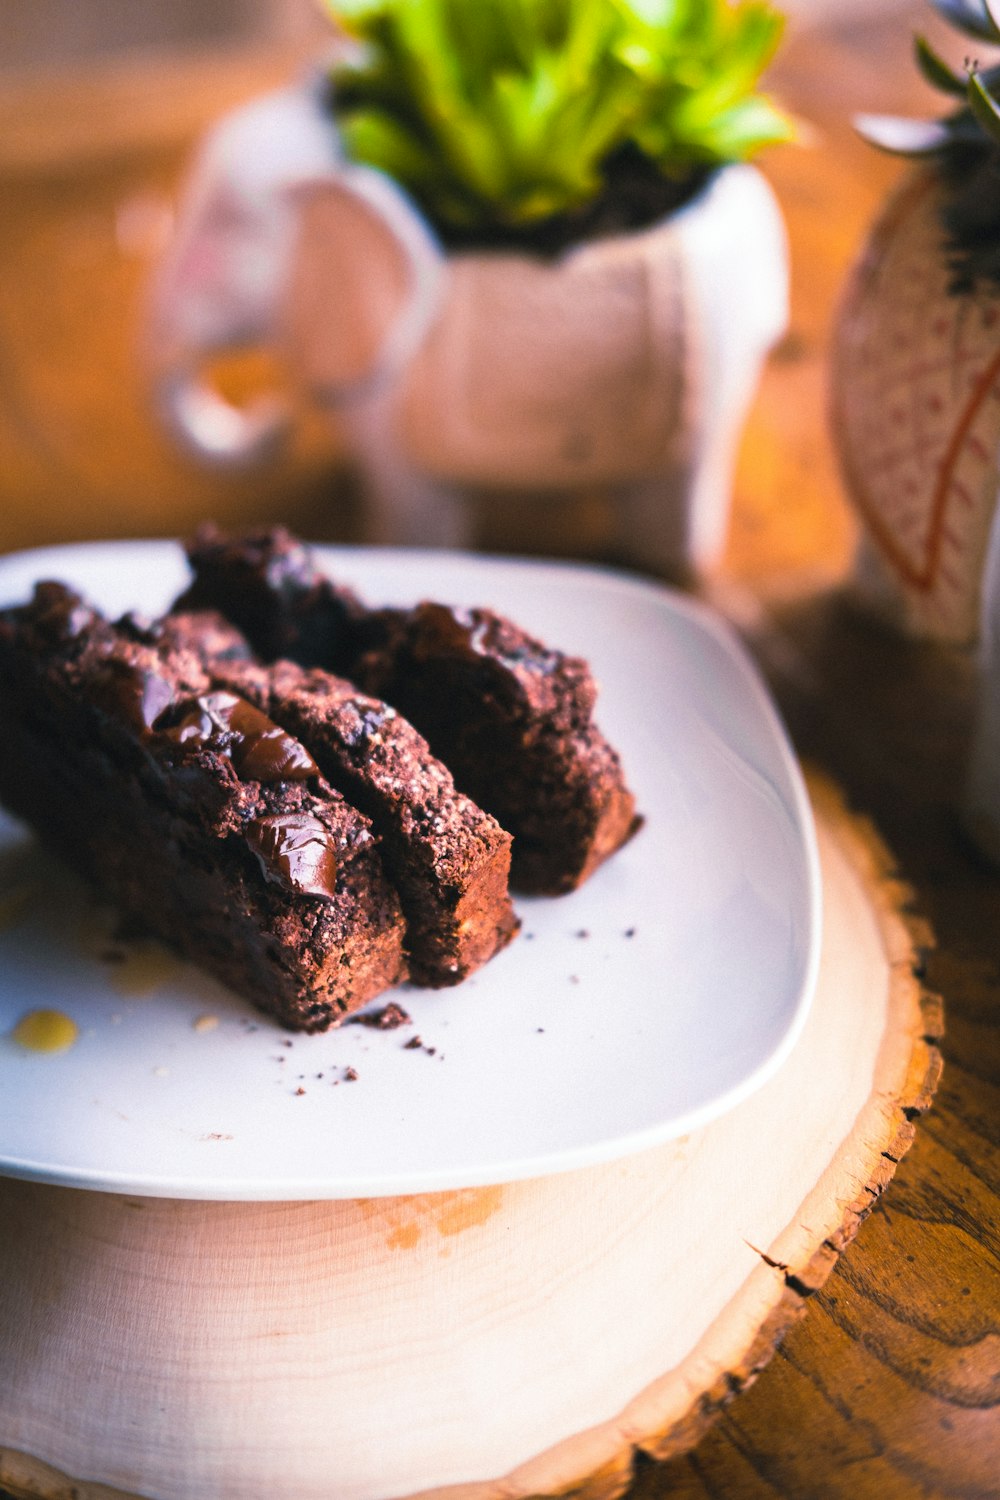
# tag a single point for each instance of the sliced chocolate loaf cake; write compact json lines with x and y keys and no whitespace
{"x":266,"y":584}
{"x":510,"y":717}
{"x":447,"y":858}
{"x":206,"y":822}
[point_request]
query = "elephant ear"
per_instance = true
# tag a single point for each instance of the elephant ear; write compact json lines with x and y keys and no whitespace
{"x":364,"y":284}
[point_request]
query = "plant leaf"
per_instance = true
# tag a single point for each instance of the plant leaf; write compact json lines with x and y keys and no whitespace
{"x":984,"y":107}
{"x":749,"y":125}
{"x":937,"y":72}
{"x":517,"y":106}
{"x":903,"y":137}
{"x":972,"y":17}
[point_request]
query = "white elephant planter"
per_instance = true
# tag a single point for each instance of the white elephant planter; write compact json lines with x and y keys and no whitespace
{"x":916,"y":409}
{"x":624,"y":367}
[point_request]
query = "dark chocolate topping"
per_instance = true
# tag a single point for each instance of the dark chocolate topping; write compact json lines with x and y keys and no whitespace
{"x":260,"y":750}
{"x":295,"y":849}
{"x":442,"y":628}
{"x":135,"y":694}
{"x":474,"y":635}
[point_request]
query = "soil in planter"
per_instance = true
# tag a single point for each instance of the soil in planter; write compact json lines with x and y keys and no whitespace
{"x":636,"y":195}
{"x":970,"y":213}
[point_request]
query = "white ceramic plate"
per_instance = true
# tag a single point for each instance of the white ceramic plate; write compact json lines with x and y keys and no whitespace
{"x":662,"y":993}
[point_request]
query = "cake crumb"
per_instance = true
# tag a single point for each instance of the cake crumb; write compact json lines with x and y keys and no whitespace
{"x":386,"y":1018}
{"x":299,"y":1090}
{"x":206,"y":1023}
{"x":351,"y":1074}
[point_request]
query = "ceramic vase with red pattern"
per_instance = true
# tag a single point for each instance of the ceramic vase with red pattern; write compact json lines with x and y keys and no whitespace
{"x":916,"y":421}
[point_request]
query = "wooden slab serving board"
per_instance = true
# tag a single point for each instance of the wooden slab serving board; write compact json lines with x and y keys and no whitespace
{"x":486,"y":1344}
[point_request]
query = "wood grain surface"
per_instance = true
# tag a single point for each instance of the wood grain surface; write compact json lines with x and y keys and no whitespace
{"x":889,"y":1387}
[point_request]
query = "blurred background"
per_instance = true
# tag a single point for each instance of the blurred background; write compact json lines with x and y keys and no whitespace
{"x":101,"y":102}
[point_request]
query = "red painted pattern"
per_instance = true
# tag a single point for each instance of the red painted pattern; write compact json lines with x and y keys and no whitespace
{"x":918,"y":462}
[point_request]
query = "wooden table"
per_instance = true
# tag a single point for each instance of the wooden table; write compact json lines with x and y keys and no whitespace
{"x":890,"y":1386}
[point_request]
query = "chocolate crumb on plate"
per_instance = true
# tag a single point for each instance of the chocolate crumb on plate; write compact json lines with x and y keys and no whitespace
{"x":386,"y":1018}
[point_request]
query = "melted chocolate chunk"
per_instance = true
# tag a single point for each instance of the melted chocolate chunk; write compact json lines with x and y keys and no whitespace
{"x":138,"y":696}
{"x":470,"y":635}
{"x":267,"y":752}
{"x":296,"y":850}
{"x":259,"y":749}
{"x":444,"y":629}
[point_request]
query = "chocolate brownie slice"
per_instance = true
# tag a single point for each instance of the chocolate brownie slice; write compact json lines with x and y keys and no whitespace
{"x":513,"y":720}
{"x":510,"y":717}
{"x":208,"y":824}
{"x":265,"y":583}
{"x":447,"y":858}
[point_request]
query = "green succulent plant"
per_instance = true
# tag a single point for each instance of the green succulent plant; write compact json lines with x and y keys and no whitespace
{"x":964,"y":144}
{"x":500,"y":116}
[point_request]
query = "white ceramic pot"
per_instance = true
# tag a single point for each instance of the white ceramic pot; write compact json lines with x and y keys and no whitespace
{"x":624,"y":366}
{"x":916,"y":408}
